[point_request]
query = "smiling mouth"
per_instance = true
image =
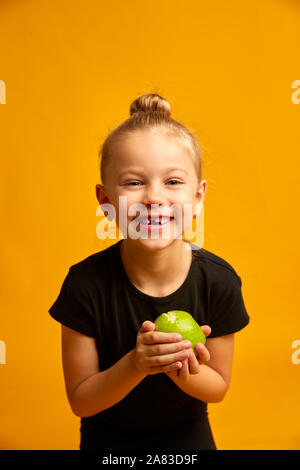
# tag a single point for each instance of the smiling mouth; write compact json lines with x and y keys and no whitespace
{"x":163,"y":220}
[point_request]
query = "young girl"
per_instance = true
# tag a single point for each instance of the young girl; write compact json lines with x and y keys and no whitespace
{"x":132,"y":386}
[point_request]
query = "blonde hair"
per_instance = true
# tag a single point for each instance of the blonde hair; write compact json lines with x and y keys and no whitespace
{"x":151,"y":111}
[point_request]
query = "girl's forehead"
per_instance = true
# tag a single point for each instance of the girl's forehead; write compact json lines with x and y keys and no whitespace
{"x":147,"y":150}
{"x":149,"y":140}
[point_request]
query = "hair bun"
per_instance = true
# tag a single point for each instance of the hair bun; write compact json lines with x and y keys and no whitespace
{"x":151,"y":103}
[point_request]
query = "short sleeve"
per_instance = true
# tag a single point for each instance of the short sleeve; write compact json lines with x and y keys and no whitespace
{"x":73,"y":307}
{"x":229,"y":313}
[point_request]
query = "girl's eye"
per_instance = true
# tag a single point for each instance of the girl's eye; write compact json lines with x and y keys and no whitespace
{"x":175,"y":181}
{"x":135,"y":183}
{"x":131,"y":183}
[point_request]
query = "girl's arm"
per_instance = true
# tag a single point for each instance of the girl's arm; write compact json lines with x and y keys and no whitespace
{"x":88,"y":390}
{"x":210,"y":384}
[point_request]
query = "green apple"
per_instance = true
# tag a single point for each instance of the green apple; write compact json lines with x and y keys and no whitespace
{"x":178,"y":321}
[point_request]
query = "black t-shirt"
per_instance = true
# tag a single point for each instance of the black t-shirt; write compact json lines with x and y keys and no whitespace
{"x":98,"y":299}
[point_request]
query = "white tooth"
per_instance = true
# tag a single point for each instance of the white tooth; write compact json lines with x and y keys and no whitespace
{"x":155,"y":219}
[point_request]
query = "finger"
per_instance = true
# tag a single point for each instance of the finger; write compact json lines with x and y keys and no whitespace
{"x":175,"y":370}
{"x":171,"y":369}
{"x":206,"y":329}
{"x":147,"y":325}
{"x":164,"y":359}
{"x":203,"y":353}
{"x":194,"y":366}
{"x":184,"y":371}
{"x":165,"y":348}
{"x":157,"y":337}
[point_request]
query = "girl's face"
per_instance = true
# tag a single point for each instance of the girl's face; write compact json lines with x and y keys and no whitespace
{"x":157,"y":172}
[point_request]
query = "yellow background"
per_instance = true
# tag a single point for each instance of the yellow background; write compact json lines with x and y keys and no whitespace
{"x":71,"y":70}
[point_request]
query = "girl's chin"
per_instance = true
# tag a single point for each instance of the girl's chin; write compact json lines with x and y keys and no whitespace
{"x":152,"y":240}
{"x":153,"y":245}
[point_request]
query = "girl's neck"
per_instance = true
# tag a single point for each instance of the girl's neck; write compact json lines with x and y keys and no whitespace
{"x":161,"y":271}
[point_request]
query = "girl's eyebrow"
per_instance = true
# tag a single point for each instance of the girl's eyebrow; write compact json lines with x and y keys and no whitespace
{"x":167,"y":170}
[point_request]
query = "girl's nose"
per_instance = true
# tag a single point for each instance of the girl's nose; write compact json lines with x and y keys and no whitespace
{"x":153,"y":196}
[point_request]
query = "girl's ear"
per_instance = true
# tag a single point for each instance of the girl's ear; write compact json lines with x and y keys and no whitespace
{"x":104,"y":201}
{"x":100,"y":194}
{"x":200,"y":195}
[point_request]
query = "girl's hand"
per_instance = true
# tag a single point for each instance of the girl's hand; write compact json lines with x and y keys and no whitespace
{"x":192,"y":364}
{"x":156,"y":351}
